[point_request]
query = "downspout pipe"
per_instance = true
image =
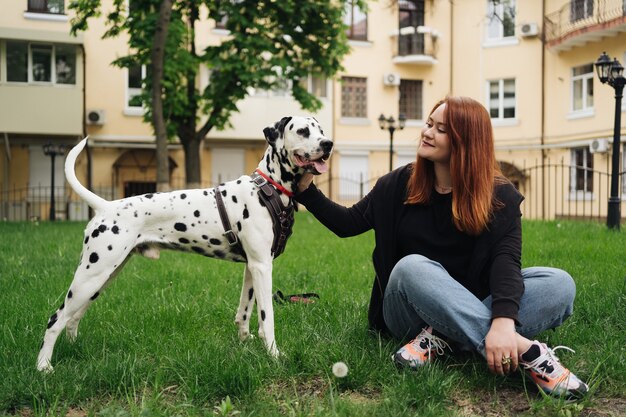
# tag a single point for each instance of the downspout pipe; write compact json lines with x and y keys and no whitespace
{"x":542,"y":134}
{"x":88,"y":148}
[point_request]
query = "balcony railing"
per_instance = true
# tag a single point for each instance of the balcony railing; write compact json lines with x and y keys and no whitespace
{"x":415,"y":45}
{"x":582,"y":21}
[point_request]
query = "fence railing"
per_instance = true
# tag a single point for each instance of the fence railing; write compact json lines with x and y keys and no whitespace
{"x":553,"y":190}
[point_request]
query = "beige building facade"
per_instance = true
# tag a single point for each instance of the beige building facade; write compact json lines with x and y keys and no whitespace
{"x":529,"y":62}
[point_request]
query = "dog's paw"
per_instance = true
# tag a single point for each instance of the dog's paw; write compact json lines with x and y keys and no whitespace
{"x":45,"y":367}
{"x":245,"y":335}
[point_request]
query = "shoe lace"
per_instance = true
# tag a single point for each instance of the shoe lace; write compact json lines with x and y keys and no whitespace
{"x":432,"y":342}
{"x":547,"y":360}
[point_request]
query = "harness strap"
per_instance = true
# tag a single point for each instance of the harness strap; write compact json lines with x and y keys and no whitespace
{"x":282,"y":216}
{"x":229,"y":234}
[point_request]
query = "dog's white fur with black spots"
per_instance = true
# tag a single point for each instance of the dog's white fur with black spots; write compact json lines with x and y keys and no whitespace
{"x":189,"y":221}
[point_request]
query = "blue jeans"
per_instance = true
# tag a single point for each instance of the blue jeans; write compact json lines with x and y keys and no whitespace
{"x":420,"y":292}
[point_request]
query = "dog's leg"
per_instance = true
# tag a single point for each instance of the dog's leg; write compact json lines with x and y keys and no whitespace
{"x":246,"y":303}
{"x":262,"y":281}
{"x":71,"y":328}
{"x":89,"y":280}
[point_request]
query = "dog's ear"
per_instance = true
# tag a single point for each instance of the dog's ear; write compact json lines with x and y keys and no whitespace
{"x":282,"y":124}
{"x":271,"y":134}
{"x":274,"y":132}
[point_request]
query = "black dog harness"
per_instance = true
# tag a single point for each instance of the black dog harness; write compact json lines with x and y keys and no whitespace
{"x":282,"y":216}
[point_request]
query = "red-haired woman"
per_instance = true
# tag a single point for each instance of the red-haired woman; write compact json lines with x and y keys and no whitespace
{"x":448,"y":254}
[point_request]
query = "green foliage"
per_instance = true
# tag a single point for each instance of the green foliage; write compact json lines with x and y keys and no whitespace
{"x":271,"y":43}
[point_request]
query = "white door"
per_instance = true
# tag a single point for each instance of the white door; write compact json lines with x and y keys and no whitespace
{"x":227,"y":164}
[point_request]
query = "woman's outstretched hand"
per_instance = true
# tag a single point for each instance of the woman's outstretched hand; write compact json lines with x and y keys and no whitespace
{"x":305,"y":181}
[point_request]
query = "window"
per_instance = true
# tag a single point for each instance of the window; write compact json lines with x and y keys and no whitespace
{"x":411,"y":15}
{"x":580,"y":9}
{"x":502,"y":99}
{"x":581,"y":171}
{"x":501,"y":14}
{"x":41,"y":56}
{"x":46,"y":6}
{"x":318,"y":86}
{"x":356,"y":20}
{"x":40,"y":63}
{"x":136,"y":74}
{"x":354,"y":97}
{"x":17,"y":61}
{"x":582,"y":88}
{"x":65,"y":65}
{"x":411,"y":99}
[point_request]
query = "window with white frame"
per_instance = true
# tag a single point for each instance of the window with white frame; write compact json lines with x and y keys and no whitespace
{"x":135,"y":77}
{"x":354,"y":97}
{"x":46,"y":6}
{"x":582,"y":88}
{"x":356,"y":21}
{"x":501,"y":14}
{"x":581,"y":172}
{"x":316,"y":85}
{"x":40,"y":63}
{"x":502,"y":99}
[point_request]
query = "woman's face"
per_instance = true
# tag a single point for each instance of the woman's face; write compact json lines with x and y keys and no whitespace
{"x":435,"y":144}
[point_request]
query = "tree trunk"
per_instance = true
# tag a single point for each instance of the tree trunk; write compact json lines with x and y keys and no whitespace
{"x":158,"y":121}
{"x":192,"y":161}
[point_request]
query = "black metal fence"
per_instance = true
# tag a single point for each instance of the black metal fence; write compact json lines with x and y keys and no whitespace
{"x":554,"y":190}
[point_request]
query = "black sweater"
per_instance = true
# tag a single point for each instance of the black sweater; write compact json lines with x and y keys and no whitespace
{"x":494,"y":266}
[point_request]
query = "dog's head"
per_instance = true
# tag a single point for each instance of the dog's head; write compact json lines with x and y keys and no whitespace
{"x":302,"y":142}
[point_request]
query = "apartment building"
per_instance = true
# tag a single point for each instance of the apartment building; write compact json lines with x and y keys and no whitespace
{"x":529,"y":62}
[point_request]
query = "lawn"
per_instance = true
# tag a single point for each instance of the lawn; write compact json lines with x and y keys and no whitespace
{"x":161,"y":341}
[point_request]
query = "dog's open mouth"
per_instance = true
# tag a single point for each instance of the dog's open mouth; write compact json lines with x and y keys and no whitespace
{"x":316,"y":166}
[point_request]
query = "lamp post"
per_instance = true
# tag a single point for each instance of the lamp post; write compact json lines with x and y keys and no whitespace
{"x":52,"y":150}
{"x":610,"y":72}
{"x":390,"y":124}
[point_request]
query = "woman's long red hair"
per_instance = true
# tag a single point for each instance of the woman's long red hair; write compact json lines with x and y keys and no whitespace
{"x":473,"y":166}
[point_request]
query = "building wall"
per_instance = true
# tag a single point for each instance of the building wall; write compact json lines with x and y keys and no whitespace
{"x":460,"y":61}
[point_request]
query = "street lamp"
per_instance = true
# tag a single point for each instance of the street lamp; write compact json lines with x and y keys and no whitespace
{"x":610,"y":72}
{"x":391,"y":126}
{"x":52,"y":150}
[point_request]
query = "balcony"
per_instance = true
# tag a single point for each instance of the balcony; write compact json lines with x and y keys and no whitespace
{"x":581,"y":21}
{"x":415,"y":46}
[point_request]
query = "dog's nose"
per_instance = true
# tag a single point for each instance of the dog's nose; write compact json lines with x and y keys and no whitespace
{"x":326,"y":145}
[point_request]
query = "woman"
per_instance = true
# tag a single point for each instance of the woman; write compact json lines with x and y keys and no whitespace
{"x":448,"y":254}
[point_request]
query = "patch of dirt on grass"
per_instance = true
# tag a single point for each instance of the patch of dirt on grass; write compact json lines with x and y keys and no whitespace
{"x":503,"y":402}
{"x":507,"y":402}
{"x":605,"y":407}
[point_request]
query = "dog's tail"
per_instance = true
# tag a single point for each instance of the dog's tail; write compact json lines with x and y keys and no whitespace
{"x":90,"y":198}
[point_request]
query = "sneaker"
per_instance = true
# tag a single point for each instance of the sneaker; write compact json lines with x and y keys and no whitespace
{"x":424,"y":348}
{"x":549,"y":374}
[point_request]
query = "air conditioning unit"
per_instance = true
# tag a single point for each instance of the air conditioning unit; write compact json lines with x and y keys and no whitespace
{"x":528,"y":30}
{"x":95,"y":117}
{"x":391,"y":78}
{"x":599,"y":146}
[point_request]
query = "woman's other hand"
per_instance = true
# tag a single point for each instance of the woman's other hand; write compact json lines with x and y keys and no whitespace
{"x":501,"y":346}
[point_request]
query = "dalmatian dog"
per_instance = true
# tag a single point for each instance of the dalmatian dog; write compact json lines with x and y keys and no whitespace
{"x":189,"y":221}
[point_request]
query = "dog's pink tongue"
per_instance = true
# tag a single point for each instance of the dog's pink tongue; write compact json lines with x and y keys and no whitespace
{"x":320,"y":166}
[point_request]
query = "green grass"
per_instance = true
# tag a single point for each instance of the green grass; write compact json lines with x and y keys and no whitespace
{"x":161,"y":341}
